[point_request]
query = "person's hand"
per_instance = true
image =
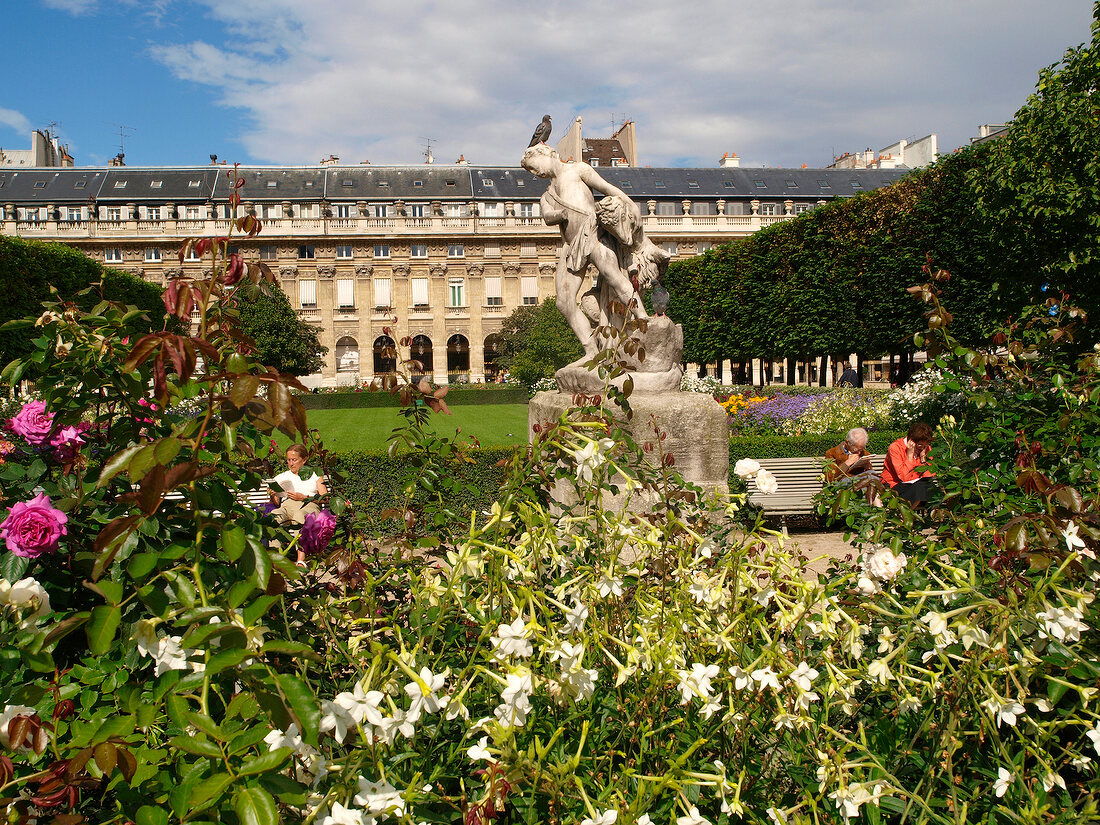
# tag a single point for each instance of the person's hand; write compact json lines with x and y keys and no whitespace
{"x":296,"y":496}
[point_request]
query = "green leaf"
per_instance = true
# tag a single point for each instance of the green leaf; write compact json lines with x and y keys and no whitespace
{"x":234,"y":540}
{"x":207,"y":792}
{"x":197,"y":745}
{"x":13,"y":567}
{"x":255,"y":806}
{"x":269,"y":761}
{"x":39,"y":660}
{"x":116,"y":465}
{"x":262,"y":565}
{"x":248,"y":739}
{"x":102,"y":626}
{"x":299,"y":649}
{"x":226,"y":659}
{"x":141,"y":565}
{"x":149,"y":815}
{"x":303,"y":704}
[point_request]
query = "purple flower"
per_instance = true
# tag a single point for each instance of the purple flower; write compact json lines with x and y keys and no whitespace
{"x":33,"y":423}
{"x":775,"y":411}
{"x":66,"y":441}
{"x":33,"y":528}
{"x":317,"y":532}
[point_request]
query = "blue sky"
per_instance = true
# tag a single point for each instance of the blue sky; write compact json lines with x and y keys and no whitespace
{"x":292,"y":81}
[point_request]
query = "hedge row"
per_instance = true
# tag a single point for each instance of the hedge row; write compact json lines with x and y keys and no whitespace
{"x":779,"y":446}
{"x":371,"y":480}
{"x":456,"y":395}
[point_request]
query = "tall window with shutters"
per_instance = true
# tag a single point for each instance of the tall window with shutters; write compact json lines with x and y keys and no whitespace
{"x":530,"y":286}
{"x":382,"y":296}
{"x":307,"y":293}
{"x":419,"y":287}
{"x":493,"y":295}
{"x":345,"y":293}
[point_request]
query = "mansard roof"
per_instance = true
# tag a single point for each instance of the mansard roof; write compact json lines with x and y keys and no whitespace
{"x":423,"y":182}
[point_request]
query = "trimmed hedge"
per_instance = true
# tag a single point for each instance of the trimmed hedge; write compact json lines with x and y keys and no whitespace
{"x":455,"y":396}
{"x":371,"y":480}
{"x":781,"y":446}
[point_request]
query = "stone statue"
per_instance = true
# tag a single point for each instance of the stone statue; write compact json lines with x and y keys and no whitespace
{"x":608,"y":236}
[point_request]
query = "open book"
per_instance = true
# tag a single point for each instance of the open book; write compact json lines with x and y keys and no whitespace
{"x":288,"y":482}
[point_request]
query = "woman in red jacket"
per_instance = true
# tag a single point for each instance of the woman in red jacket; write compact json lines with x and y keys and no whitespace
{"x":904,"y":459}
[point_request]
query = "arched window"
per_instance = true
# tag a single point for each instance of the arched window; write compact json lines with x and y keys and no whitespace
{"x":492,"y":352}
{"x":347,"y":355}
{"x":385,"y":355}
{"x":458,"y":359}
{"x":421,"y":352}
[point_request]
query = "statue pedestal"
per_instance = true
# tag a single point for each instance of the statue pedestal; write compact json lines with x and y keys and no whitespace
{"x":697,"y":428}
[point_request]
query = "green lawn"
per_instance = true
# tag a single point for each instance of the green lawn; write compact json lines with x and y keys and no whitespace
{"x":494,"y":425}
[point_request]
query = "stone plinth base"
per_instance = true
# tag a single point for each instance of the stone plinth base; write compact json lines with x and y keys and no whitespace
{"x":697,"y":427}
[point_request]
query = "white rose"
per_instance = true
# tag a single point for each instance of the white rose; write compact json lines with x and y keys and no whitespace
{"x":766,"y":483}
{"x":884,"y":565}
{"x":746,"y":467}
{"x":23,"y":594}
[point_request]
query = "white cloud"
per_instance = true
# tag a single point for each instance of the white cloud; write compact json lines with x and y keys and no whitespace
{"x":15,"y":120}
{"x":777,"y":83}
{"x":72,"y":6}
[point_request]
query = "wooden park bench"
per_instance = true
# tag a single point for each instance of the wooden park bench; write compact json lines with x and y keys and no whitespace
{"x":799,"y":479}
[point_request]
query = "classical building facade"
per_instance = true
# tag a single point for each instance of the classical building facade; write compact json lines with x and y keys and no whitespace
{"x":449,"y":251}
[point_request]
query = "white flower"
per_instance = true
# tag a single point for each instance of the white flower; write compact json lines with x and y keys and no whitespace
{"x":908,"y":704}
{"x":706,"y":547}
{"x":480,"y":751}
{"x":1050,"y":779}
{"x":575,"y":617}
{"x":693,"y":817}
{"x":380,"y":798}
{"x":512,"y":639}
{"x":569,"y":654}
{"x":879,"y":670}
{"x":741,"y":679}
{"x":25,"y":593}
{"x":290,"y":739}
{"x":591,"y":457}
{"x":1073,"y":539}
{"x":746,"y":467}
{"x":169,"y":655}
{"x":336,"y":719}
{"x":766,"y":482}
{"x":1063,"y":624}
{"x":697,"y":682}
{"x":343,"y":816}
{"x":803,"y":676}
{"x":1042,"y":705}
{"x":937,"y":623}
{"x":644,"y":820}
{"x":608,"y":586}
{"x":868,"y":586}
{"x":362,"y":706}
{"x":765,"y":677}
{"x":886,"y":640}
{"x":608,"y":817}
{"x":10,"y":712}
{"x":777,"y":816}
{"x":515,"y":700}
{"x":1004,"y":779}
{"x":426,"y":702}
{"x":1094,"y":735}
{"x":1006,"y":712}
{"x":884,"y":565}
{"x":972,"y":635}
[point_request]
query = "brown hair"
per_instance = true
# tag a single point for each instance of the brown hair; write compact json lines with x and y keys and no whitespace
{"x":919,"y":431}
{"x":298,"y":450}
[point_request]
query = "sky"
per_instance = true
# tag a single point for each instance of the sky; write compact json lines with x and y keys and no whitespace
{"x":778,"y":82}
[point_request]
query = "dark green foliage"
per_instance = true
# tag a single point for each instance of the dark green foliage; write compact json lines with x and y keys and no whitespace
{"x":1042,"y":186}
{"x":283,"y":340}
{"x":1004,"y":218}
{"x":456,"y":395}
{"x":29,"y":268}
{"x":793,"y":446}
{"x":536,"y":341}
{"x":372,"y":482}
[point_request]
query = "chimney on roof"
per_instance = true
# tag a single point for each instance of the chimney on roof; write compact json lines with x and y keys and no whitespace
{"x":117,"y":160}
{"x":213,"y":159}
{"x":730,"y":159}
{"x":462,"y":161}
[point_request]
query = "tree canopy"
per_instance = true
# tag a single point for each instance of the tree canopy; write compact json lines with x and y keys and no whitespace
{"x":29,"y":268}
{"x":1006,"y":218}
{"x":283,"y":341}
{"x":536,"y":341}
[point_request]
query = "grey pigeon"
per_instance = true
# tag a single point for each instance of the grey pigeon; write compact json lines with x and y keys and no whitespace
{"x":542,"y":132}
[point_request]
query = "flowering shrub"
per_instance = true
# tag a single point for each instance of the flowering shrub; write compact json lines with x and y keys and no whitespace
{"x":840,"y":411}
{"x":530,"y":663}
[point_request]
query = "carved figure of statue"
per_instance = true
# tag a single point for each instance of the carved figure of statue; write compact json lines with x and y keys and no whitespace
{"x":608,"y":235}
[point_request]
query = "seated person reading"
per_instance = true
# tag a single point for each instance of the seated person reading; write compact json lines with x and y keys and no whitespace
{"x":902,"y":469}
{"x":296,"y":491}
{"x":849,"y":457}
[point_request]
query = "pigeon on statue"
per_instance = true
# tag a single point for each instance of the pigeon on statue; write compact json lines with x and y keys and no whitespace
{"x":542,"y":132}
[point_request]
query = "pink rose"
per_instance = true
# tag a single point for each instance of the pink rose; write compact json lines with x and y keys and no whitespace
{"x":33,"y":423}
{"x":66,"y":441}
{"x":317,"y":532}
{"x":33,"y":528}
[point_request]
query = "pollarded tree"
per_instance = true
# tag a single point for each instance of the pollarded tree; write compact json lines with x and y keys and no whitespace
{"x":536,"y":341}
{"x":283,"y":340}
{"x":1043,"y":188}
